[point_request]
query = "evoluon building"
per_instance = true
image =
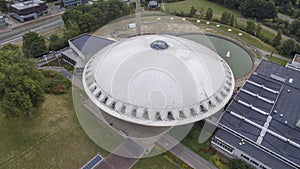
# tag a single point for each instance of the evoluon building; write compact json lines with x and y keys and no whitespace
{"x":158,"y":80}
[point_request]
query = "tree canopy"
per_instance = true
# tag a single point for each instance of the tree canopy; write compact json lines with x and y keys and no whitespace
{"x":91,"y":17}
{"x":209,"y":14}
{"x":277,"y":40}
{"x":289,"y":47}
{"x":21,"y":84}
{"x":259,"y":9}
{"x":34,"y":45}
{"x":4,"y":6}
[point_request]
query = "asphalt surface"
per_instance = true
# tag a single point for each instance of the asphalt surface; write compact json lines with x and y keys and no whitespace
{"x":42,"y":26}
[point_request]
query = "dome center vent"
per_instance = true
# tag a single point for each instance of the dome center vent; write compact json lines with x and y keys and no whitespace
{"x":159,"y":45}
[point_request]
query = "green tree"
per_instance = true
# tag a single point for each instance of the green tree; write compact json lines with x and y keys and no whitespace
{"x":56,"y":42}
{"x":10,"y":47}
{"x":294,"y":28}
{"x":288,"y":47}
{"x":235,"y":23}
{"x":250,"y":28}
{"x":232,"y":20}
{"x":72,"y":31}
{"x":34,"y":45}
{"x":71,"y":16}
{"x":276,"y":41}
{"x":258,"y":30}
{"x":87,"y":22}
{"x":21,"y":84}
{"x":259,"y":9}
{"x":225,"y":17}
{"x":209,"y":14}
{"x":4,"y":6}
{"x":192,"y":12}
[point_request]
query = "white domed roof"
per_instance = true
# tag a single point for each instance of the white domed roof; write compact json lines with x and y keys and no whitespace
{"x":158,"y":80}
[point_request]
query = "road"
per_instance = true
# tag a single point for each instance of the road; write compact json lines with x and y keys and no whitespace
{"x":42,"y":26}
{"x":285,"y":17}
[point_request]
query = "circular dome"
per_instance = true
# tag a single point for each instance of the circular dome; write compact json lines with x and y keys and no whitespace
{"x":158,"y":80}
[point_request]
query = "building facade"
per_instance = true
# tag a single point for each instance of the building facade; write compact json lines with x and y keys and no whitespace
{"x":72,"y":3}
{"x":3,"y":24}
{"x":81,"y":50}
{"x":28,"y":10}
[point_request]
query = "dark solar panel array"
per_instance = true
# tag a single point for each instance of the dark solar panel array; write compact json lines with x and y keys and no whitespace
{"x":285,"y":112}
{"x":91,"y":164}
{"x":267,"y":68}
{"x":251,"y":150}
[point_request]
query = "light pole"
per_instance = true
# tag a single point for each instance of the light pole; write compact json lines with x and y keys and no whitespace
{"x":138,"y":17}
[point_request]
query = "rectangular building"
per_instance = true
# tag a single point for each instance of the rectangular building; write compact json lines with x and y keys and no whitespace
{"x":82,"y":48}
{"x":262,"y":124}
{"x":28,"y":10}
{"x":72,"y":3}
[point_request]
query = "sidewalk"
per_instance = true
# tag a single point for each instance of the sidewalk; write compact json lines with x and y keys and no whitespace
{"x":184,"y":153}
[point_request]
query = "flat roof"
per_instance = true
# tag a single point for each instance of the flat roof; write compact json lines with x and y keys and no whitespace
{"x":265,"y":113}
{"x":88,"y":45}
{"x":27,"y":4}
{"x":297,"y":58}
{"x":251,"y":150}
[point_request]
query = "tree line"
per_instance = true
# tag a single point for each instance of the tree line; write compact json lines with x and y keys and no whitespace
{"x":88,"y":18}
{"x":22,"y":85}
{"x":262,"y":9}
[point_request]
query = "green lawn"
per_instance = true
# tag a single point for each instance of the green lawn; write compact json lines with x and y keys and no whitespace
{"x":246,"y":37}
{"x":155,"y":162}
{"x":276,"y":60}
{"x":186,"y":5}
{"x":53,"y":138}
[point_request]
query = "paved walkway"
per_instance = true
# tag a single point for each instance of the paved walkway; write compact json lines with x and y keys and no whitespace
{"x":130,"y":151}
{"x":184,"y":153}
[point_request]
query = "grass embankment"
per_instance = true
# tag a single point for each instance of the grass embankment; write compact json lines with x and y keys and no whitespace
{"x":185,"y":6}
{"x":52,"y":138}
{"x":276,"y":60}
{"x":245,"y":36}
{"x":218,"y":9}
{"x":160,"y":161}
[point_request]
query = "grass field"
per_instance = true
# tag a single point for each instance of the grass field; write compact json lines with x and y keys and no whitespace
{"x":53,"y":138}
{"x":186,"y":5}
{"x":155,"y":162}
{"x":246,"y":37}
{"x":276,"y":60}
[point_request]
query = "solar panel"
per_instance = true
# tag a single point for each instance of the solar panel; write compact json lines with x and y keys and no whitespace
{"x":93,"y":162}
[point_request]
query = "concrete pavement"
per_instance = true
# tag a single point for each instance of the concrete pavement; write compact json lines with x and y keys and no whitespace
{"x":184,"y":153}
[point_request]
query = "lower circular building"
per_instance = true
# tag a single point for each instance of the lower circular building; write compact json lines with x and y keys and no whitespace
{"x":158,"y":80}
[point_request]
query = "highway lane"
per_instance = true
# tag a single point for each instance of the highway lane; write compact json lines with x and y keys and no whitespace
{"x":40,"y":26}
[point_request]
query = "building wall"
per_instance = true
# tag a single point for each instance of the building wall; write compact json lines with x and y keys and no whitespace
{"x":70,"y":3}
{"x":42,"y":7}
{"x":233,"y":152}
{"x":77,"y":51}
